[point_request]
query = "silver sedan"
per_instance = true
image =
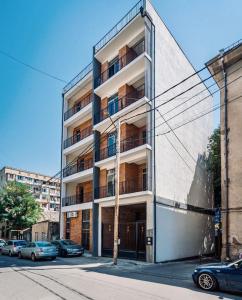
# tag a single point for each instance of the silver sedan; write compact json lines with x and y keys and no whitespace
{"x":38,"y":250}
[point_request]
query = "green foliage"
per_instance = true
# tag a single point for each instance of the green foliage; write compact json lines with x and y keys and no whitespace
{"x":214,"y":163}
{"x":18,"y":207}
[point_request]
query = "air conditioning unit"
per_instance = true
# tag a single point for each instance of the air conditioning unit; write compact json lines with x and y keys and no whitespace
{"x":72,"y":214}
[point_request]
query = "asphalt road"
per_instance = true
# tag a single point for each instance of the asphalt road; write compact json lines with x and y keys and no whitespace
{"x":94,"y":279}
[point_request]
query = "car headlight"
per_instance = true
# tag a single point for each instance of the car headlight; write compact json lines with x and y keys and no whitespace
{"x":195,"y":271}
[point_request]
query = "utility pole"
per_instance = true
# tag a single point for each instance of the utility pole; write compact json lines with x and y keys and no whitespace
{"x":226,"y":181}
{"x":116,"y":208}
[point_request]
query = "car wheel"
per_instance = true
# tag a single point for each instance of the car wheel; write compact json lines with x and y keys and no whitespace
{"x":33,"y":257}
{"x":53,"y":258}
{"x":207,"y":282}
{"x":20,"y":255}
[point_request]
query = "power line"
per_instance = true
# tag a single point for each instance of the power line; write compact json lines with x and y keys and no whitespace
{"x":200,"y":82}
{"x":32,"y":67}
{"x":194,"y":104}
{"x":88,"y":149}
{"x":178,"y":153}
{"x":192,"y":120}
{"x":179,"y":140}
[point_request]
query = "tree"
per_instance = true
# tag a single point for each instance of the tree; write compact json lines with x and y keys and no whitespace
{"x":214,"y":164}
{"x":18,"y":208}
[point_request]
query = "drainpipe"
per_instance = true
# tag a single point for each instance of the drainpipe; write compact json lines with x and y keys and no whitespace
{"x":226,"y":181}
{"x":62,"y":124}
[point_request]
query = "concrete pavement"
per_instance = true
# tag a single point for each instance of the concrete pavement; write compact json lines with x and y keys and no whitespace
{"x":96,"y":278}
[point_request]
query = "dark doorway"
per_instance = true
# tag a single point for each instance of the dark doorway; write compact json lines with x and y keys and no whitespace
{"x":132,"y":232}
{"x":86,"y":229}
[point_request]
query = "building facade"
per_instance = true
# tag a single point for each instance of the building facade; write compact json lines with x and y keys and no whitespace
{"x":45,"y":191}
{"x":227,"y":72}
{"x":159,"y":196}
{"x":47,"y":228}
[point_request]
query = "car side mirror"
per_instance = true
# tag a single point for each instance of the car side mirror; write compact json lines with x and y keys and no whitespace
{"x":236,"y":266}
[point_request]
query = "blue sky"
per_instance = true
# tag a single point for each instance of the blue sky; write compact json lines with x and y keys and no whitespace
{"x":57,"y":36}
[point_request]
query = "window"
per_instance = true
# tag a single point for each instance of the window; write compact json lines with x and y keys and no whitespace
{"x":144,"y":179}
{"x":10,"y":243}
{"x":113,"y":105}
{"x":68,"y":226}
{"x":113,"y":67}
{"x":20,"y":177}
{"x":144,"y":136}
{"x":110,"y":182}
{"x":36,"y":236}
{"x":111,"y":144}
{"x":86,"y":229}
{"x":43,"y":236}
{"x":52,"y":205}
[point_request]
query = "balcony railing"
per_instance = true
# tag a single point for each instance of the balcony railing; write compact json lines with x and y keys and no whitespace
{"x":77,"y":199}
{"x":120,"y":103}
{"x":108,"y":151}
{"x":78,"y":167}
{"x":120,"y":25}
{"x":125,"y":145}
{"x":78,"y":137}
{"x":78,"y":78}
{"x":125,"y":187}
{"x":76,"y":108}
{"x":132,"y":142}
{"x":123,"y":61}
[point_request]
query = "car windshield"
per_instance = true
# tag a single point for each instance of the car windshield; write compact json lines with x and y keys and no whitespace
{"x":68,"y":242}
{"x":43,"y":244}
{"x":239,"y":262}
{"x":20,"y":243}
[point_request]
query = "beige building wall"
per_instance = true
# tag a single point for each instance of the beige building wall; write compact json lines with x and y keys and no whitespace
{"x":233,"y":68}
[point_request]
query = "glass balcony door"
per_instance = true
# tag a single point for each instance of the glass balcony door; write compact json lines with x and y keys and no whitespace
{"x":113,"y":67}
{"x":113,"y":105}
{"x":110,"y":182}
{"x":111,"y":144}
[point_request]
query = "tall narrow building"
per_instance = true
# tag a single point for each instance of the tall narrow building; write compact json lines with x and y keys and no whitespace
{"x":164,"y":189}
{"x":227,"y":72}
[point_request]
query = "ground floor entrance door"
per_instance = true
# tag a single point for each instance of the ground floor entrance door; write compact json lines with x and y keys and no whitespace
{"x":132,"y":240}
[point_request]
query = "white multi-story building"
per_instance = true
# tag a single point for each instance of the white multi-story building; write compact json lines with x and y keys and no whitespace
{"x":165,"y":196}
{"x":45,"y":190}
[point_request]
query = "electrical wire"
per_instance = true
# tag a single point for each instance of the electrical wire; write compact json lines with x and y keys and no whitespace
{"x":32,"y":67}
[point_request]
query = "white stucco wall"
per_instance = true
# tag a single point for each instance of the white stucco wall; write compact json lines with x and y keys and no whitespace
{"x":182,"y":234}
{"x":174,"y":179}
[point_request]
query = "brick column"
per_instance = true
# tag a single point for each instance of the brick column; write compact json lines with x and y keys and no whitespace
{"x":76,"y":228}
{"x":123,"y":91}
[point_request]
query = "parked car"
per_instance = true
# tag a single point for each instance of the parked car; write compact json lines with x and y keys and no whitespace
{"x":2,"y":243}
{"x":68,"y":248}
{"x":224,"y":276}
{"x":38,"y":250}
{"x":12,"y":247}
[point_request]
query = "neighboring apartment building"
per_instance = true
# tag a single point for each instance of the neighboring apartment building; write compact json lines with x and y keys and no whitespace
{"x":227,"y":68}
{"x":164,"y":205}
{"x":45,"y":191}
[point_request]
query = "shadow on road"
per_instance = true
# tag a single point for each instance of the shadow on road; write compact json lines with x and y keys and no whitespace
{"x":173,"y":274}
